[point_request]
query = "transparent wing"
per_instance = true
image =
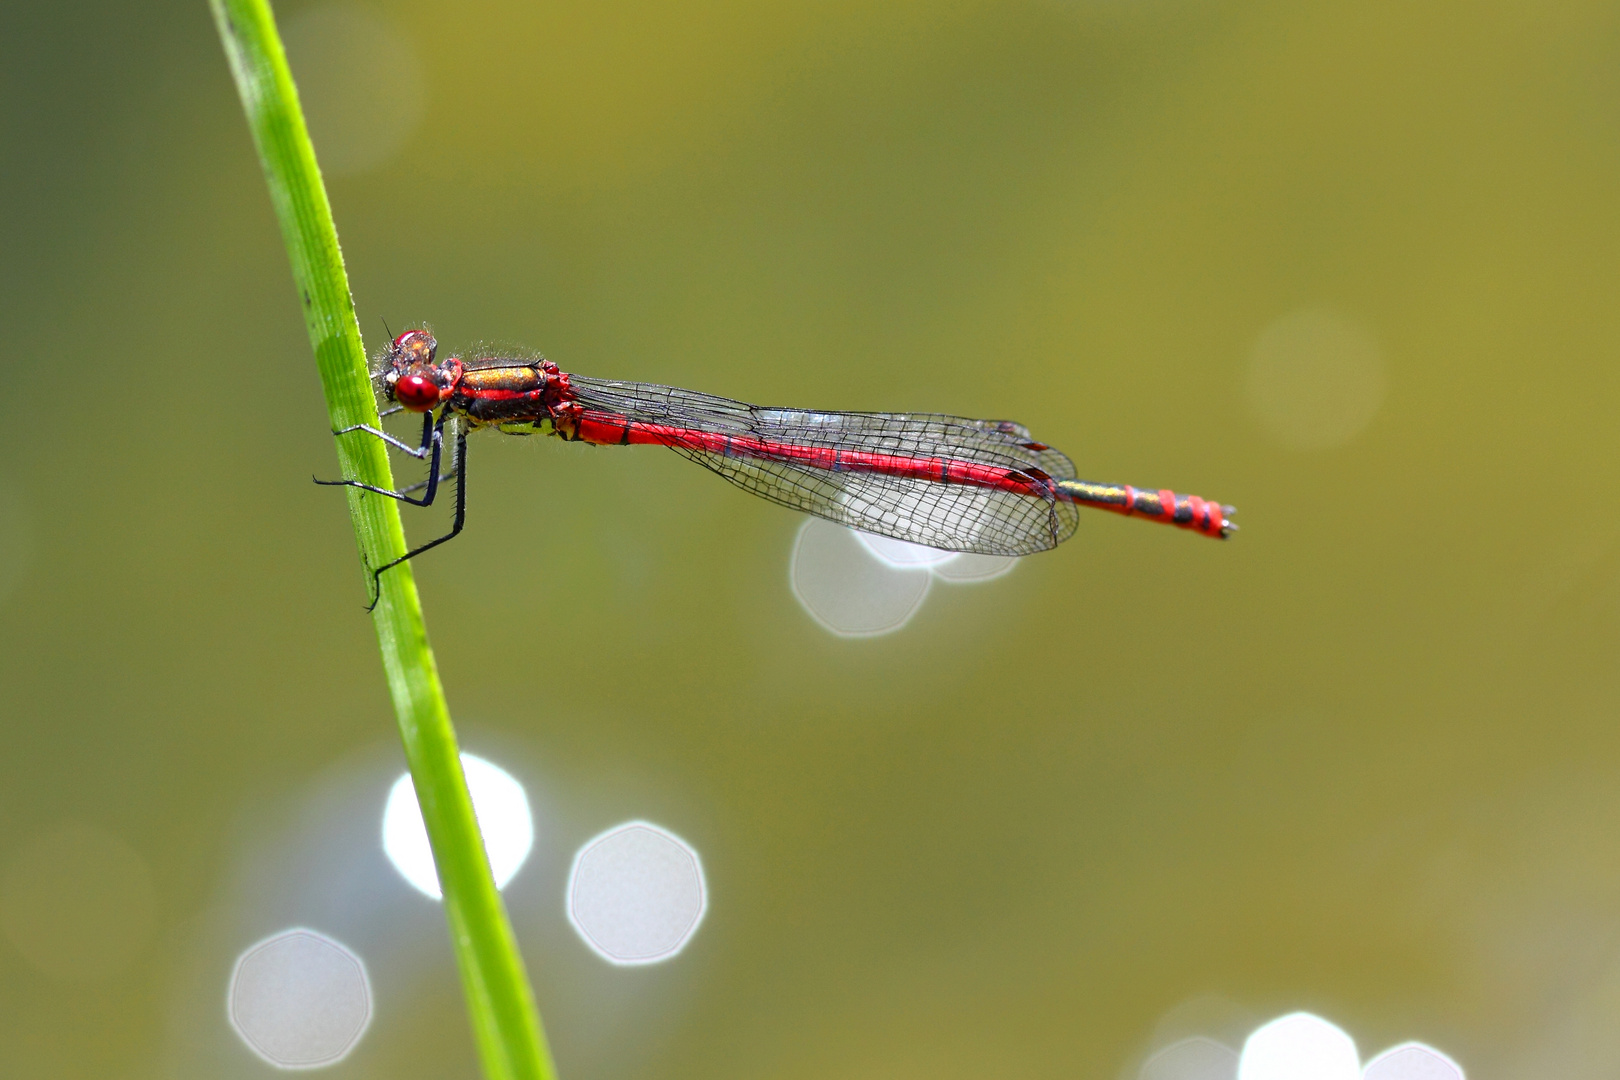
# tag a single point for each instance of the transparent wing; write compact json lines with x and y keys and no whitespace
{"x":952,"y":516}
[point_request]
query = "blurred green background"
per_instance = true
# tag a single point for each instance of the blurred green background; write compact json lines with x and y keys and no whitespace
{"x":1349,"y":266}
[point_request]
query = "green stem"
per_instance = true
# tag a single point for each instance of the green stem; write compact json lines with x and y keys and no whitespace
{"x":504,"y":1019}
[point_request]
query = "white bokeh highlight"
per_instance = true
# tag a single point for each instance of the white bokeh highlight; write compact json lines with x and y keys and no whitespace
{"x":1299,"y":1046}
{"x":847,"y":588}
{"x":1412,"y":1061}
{"x":1196,"y":1058}
{"x":636,"y":894}
{"x":969,"y":568}
{"x":903,"y":553}
{"x":957,"y":567}
{"x":299,"y":1000}
{"x":856,"y":584}
{"x":1316,"y":378}
{"x":502,"y":809}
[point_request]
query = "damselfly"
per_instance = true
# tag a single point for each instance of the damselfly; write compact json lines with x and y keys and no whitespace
{"x":984,"y":486}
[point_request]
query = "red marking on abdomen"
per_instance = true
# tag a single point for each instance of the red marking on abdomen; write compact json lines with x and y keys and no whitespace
{"x":1206,"y":516}
{"x":611,"y":429}
{"x":1203,"y":516}
{"x":602,"y":428}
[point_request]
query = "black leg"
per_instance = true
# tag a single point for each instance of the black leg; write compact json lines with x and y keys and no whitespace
{"x":460,"y":473}
{"x":432,"y":447}
{"x":420,"y":484}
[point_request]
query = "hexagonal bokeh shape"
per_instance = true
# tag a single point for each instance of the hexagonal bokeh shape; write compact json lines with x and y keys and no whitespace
{"x":847,"y":588}
{"x":299,"y":1000}
{"x":1412,"y":1061}
{"x":500,"y":805}
{"x":1297,"y":1045}
{"x":636,"y":894}
{"x":1195,"y":1058}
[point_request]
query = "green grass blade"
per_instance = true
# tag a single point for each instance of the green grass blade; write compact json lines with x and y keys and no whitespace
{"x":505,"y":1022}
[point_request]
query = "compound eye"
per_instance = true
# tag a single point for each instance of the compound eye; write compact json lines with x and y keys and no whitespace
{"x":418,"y":393}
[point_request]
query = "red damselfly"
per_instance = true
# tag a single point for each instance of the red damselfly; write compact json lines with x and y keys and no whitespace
{"x":984,"y":486}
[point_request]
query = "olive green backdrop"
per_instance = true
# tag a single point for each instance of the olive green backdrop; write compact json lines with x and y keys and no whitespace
{"x":1351,"y":267}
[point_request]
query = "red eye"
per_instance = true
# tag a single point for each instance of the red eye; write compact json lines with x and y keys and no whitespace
{"x":418,"y":393}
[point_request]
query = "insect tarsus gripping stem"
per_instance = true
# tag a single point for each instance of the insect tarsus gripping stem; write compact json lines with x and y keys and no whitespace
{"x":431,"y":447}
{"x":459,"y":474}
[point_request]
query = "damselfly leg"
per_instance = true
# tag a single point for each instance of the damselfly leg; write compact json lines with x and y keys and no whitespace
{"x":431,"y":447}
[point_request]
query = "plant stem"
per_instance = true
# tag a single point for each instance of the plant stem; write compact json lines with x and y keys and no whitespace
{"x":505,"y":1022}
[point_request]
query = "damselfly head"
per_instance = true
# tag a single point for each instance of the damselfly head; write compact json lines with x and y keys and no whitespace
{"x":412,"y":378}
{"x":413,"y":347}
